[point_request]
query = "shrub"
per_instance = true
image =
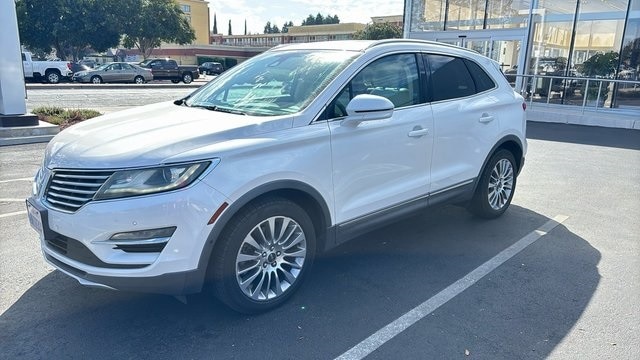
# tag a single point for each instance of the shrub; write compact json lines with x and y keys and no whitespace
{"x":64,"y":117}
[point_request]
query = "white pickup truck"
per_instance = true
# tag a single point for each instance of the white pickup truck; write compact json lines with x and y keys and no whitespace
{"x":51,"y":71}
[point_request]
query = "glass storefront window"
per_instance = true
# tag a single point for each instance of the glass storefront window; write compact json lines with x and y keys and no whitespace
{"x":502,"y":14}
{"x":552,"y":27}
{"x":428,"y":15}
{"x":628,"y":94}
{"x":465,"y":14}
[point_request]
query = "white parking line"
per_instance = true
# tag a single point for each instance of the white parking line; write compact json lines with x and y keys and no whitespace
{"x":13,"y":214}
{"x":12,"y":180}
{"x":368,"y":345}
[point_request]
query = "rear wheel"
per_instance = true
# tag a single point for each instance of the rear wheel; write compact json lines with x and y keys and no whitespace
{"x":496,"y":186}
{"x":266,"y":251}
{"x":138,"y":80}
{"x":175,"y":81}
{"x":52,"y":76}
{"x":96,"y":80}
{"x":187,"y":78}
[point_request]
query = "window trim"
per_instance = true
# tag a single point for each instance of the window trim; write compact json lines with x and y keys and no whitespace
{"x":431,"y":92}
{"x":422,"y":98}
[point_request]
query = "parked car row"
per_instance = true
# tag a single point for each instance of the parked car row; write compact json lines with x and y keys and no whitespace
{"x":139,"y":73}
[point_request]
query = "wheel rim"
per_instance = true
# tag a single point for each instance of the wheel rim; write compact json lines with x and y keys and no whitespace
{"x":96,"y":80}
{"x":501,"y":184}
{"x":139,"y":80}
{"x":187,"y":79}
{"x":271,"y":258}
{"x":53,"y":78}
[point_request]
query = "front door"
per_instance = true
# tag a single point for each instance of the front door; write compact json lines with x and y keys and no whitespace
{"x":385,"y":163}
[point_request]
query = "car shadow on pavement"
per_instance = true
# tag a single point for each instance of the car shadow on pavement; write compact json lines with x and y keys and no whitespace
{"x":523,"y":309}
{"x":587,"y":135}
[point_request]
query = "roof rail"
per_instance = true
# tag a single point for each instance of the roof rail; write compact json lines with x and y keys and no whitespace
{"x":418,"y":41}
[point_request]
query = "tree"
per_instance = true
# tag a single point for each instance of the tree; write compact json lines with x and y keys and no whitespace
{"x":215,"y":24}
{"x":72,"y":28}
{"x":377,"y":31}
{"x":267,"y":28}
{"x":600,"y":64}
{"x":320,"y":20}
{"x":155,"y":21}
{"x":310,"y":20}
{"x":230,"y":32}
{"x":286,"y":26}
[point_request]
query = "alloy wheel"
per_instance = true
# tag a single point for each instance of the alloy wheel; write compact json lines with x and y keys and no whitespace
{"x":501,"y":184}
{"x":270,"y":258}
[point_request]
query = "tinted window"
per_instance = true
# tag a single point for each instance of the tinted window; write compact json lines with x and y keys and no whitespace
{"x":480,"y":77}
{"x":394,"y":77}
{"x":450,"y":78}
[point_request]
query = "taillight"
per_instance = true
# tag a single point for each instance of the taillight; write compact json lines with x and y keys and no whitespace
{"x":69,"y":65}
{"x":524,"y":106}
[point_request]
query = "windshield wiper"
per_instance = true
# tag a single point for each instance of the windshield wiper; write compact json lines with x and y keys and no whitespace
{"x":217,"y":108}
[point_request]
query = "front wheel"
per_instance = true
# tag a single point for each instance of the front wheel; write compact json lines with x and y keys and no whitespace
{"x":266,"y":251}
{"x":96,"y":80}
{"x":187,"y":78}
{"x":496,"y":186}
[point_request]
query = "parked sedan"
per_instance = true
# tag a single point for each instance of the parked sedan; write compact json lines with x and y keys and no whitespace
{"x":114,"y":72}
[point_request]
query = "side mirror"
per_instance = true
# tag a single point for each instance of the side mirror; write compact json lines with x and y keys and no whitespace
{"x":366,"y":108}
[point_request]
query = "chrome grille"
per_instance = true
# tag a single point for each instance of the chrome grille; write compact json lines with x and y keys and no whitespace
{"x":69,"y":190}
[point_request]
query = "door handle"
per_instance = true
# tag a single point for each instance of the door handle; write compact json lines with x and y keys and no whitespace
{"x":418,"y":131}
{"x":486,"y":118}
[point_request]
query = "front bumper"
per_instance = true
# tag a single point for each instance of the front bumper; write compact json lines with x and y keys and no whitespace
{"x":78,"y":243}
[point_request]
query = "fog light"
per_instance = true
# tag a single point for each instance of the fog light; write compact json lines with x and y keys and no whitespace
{"x":147,"y":241}
{"x":144,"y":234}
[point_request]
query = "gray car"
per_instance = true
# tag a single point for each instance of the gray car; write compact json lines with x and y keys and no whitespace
{"x":114,"y":72}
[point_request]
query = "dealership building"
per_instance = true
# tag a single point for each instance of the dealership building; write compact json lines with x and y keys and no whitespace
{"x":576,"y":59}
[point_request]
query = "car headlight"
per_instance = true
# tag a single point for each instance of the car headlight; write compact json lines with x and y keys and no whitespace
{"x":152,"y":180}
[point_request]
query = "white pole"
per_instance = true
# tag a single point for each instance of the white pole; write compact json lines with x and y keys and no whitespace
{"x":12,"y":88}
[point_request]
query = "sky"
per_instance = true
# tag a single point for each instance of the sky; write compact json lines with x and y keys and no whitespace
{"x":257,"y":13}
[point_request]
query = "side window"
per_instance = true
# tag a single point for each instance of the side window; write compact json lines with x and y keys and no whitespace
{"x":450,"y":78}
{"x":126,"y":67}
{"x":394,"y":77}
{"x":171,"y":64}
{"x":24,"y":58}
{"x":480,"y":77}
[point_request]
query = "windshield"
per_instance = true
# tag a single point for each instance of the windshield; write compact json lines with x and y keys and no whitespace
{"x":274,"y":83}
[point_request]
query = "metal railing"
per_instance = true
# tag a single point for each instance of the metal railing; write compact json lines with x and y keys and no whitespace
{"x":586,"y":93}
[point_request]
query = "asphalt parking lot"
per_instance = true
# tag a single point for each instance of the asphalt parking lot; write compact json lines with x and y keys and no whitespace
{"x":558,"y":276}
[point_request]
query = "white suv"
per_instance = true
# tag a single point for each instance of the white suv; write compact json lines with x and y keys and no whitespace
{"x":237,"y":186}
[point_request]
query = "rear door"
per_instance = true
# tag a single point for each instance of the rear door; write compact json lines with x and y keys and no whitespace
{"x":465,"y":120}
{"x":382,"y":164}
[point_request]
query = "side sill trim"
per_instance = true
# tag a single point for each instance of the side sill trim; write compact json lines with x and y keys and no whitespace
{"x":352,"y":228}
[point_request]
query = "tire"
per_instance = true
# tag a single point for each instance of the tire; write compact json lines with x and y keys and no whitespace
{"x":253,"y":273}
{"x":496,"y":186}
{"x":175,"y":81}
{"x":96,"y":79}
{"x":138,"y":80}
{"x":52,"y":76}
{"x":187,"y":78}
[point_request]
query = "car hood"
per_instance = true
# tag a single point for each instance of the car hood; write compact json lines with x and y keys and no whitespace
{"x":152,"y":135}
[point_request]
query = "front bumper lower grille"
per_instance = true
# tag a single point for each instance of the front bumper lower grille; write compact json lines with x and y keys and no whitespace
{"x":75,"y":250}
